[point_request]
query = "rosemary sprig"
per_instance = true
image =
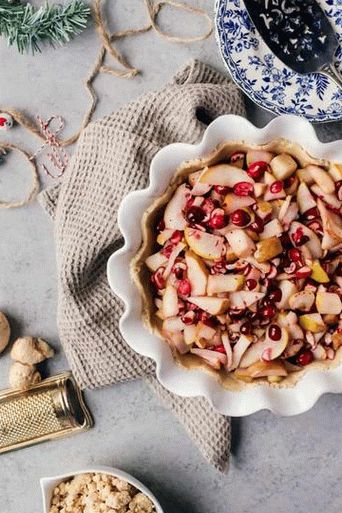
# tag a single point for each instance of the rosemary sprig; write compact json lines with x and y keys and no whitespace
{"x":28,"y":27}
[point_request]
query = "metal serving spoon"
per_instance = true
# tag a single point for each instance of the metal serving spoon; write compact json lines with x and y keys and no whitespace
{"x":299,"y":33}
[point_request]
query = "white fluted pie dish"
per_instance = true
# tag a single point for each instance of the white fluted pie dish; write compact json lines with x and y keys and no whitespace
{"x":247,"y":399}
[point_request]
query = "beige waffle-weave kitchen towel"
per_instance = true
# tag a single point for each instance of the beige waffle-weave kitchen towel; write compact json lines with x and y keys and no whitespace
{"x":112,"y":157}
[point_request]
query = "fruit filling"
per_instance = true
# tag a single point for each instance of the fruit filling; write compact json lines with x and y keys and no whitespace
{"x":248,"y":273}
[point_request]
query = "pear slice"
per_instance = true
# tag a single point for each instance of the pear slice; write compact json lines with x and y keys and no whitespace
{"x":337,"y":340}
{"x":328,"y":303}
{"x":197,"y":274}
{"x":155,"y":261}
{"x":322,"y":178}
{"x":259,"y":189}
{"x":212,"y":305}
{"x":204,"y":332}
{"x":330,"y":199}
{"x":264,"y":209}
{"x":268,"y":249}
{"x":288,"y":289}
{"x":224,"y":174}
{"x":318,"y":273}
{"x":173,"y":215}
{"x":225,"y":283}
{"x":241,"y":244}
{"x":332,"y":227}
{"x":312,"y":322}
{"x":305,"y":199}
{"x":164,"y":236}
{"x":173,"y":324}
{"x":264,"y":369}
{"x":258,"y":156}
{"x":198,"y":189}
{"x":239,"y":349}
{"x":170,"y":302}
{"x":275,"y":348}
{"x":206,"y":245}
{"x":335,"y":171}
{"x":272,"y":229}
{"x":304,"y":176}
{"x":283,"y":166}
{"x":302,"y":300}
{"x":190,"y":334}
{"x":233,"y":202}
{"x":244,"y":298}
{"x":254,"y":353}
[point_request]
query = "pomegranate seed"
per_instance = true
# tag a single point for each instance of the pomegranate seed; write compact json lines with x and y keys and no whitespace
{"x":251,"y":284}
{"x":220,"y":349}
{"x":221,"y":189}
{"x":299,"y":238}
{"x":257,"y":169}
{"x":179,"y":270}
{"x":304,"y":358}
{"x":167,"y":250}
{"x":243,"y":189}
{"x":246,"y":328}
{"x":267,"y":312}
{"x":303,"y":272}
{"x":158,"y":279}
{"x":338,"y":189}
{"x":176,"y":236}
{"x":276,"y":187}
{"x":240,"y":218}
{"x":275,"y":296}
{"x":218,"y":219}
{"x":274,"y":332}
{"x":289,"y":181}
{"x":316,"y":226}
{"x":294,"y":255}
{"x":189,"y":318}
{"x":257,"y":226}
{"x":161,"y":225}
{"x":184,"y":288}
{"x":311,"y":213}
{"x":195,"y":215}
{"x":236,"y":156}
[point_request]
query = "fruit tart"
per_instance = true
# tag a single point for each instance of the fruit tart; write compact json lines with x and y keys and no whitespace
{"x":240,"y":266}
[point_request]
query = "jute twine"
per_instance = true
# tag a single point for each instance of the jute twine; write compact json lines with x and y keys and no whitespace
{"x":128,"y":71}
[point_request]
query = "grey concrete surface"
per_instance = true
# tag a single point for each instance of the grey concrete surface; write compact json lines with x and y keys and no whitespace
{"x":279,"y":465}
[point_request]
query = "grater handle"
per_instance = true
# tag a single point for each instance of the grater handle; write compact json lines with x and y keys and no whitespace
{"x":330,"y":71}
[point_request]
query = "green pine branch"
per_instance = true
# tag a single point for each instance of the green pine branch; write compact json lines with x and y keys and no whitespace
{"x":28,"y":27}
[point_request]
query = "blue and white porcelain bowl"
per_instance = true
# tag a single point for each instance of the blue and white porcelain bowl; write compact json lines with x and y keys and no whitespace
{"x":264,"y":78}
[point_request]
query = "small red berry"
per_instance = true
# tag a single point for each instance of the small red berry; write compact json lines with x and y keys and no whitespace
{"x":161,"y":225}
{"x":251,"y":284}
{"x":303,"y":272}
{"x":176,"y":236}
{"x":167,"y":250}
{"x":246,"y":328}
{"x":243,"y":189}
{"x":189,"y":317}
{"x":274,"y":332}
{"x":276,"y":187}
{"x":184,"y":288}
{"x":267,"y":312}
{"x":275,"y":295}
{"x":305,"y":358}
{"x":294,"y":255}
{"x":311,"y":213}
{"x":195,"y":215}
{"x":158,"y":279}
{"x":257,"y":169}
{"x":299,"y":238}
{"x":221,"y":189}
{"x":237,"y":156}
{"x":220,"y":349}
{"x":209,"y":205}
{"x":316,"y":226}
{"x":240,"y":217}
{"x":257,"y":226}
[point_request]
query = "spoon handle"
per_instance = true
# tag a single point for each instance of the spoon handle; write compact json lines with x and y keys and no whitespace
{"x":330,"y":71}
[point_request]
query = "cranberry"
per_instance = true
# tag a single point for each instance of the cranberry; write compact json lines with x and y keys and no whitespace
{"x":257,"y":169}
{"x":220,"y":349}
{"x":218,"y":219}
{"x":267,"y":312}
{"x":305,"y":357}
{"x":189,"y":317}
{"x":311,"y":213}
{"x":208,"y":320}
{"x":316,"y":226}
{"x":161,"y":225}
{"x":167,"y":250}
{"x":209,"y":205}
{"x":158,"y":279}
{"x":257,"y":226}
{"x":251,"y":284}
{"x":184,"y":288}
{"x":221,"y":189}
{"x":275,"y":295}
{"x":240,"y":217}
{"x":303,"y":272}
{"x":181,"y":306}
{"x":243,"y":189}
{"x":338,"y":189}
{"x":274,"y":332}
{"x":195,"y":215}
{"x":299,"y":238}
{"x":178,"y":270}
{"x":237,"y":156}
{"x":285,"y":240}
{"x":176,"y":236}
{"x":246,"y":328}
{"x":276,"y":187}
{"x":294,"y":255}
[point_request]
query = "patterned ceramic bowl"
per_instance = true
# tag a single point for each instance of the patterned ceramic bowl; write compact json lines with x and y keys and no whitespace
{"x":284,"y":401}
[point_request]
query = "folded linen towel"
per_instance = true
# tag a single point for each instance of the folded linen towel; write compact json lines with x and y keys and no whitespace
{"x":112,"y":157}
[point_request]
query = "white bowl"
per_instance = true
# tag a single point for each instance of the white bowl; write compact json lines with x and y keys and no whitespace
{"x":189,"y":383}
{"x":48,"y":484}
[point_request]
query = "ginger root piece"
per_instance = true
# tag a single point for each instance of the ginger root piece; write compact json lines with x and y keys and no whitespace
{"x":22,"y":376}
{"x":31,"y":350}
{"x":5,"y":332}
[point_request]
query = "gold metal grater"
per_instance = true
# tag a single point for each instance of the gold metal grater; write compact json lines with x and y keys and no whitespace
{"x":51,"y":409}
